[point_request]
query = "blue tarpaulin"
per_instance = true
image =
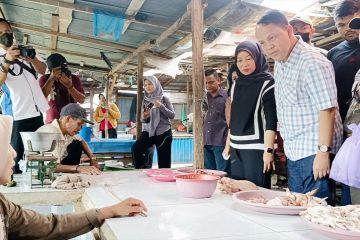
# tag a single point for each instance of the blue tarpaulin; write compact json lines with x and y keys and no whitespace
{"x":105,"y":22}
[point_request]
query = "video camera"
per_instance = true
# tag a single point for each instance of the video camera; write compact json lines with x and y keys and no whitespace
{"x":65,"y":69}
{"x":26,"y":51}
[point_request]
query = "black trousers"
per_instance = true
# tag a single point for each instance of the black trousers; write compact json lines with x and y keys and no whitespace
{"x":163,"y":147}
{"x":247,"y":164}
{"x":112,"y":133}
{"x":74,"y":150}
{"x":25,"y":125}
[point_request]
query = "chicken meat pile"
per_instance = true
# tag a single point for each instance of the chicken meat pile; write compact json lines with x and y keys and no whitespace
{"x":345,"y":217}
{"x":229,"y":186}
{"x":290,"y":199}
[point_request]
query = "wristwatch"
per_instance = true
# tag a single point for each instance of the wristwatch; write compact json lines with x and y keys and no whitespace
{"x":269,"y":150}
{"x":324,"y":148}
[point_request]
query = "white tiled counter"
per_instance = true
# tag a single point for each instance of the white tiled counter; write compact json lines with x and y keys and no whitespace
{"x":172,"y":217}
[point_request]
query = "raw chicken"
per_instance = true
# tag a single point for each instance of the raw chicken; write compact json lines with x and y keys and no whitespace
{"x":345,"y":217}
{"x":229,"y":186}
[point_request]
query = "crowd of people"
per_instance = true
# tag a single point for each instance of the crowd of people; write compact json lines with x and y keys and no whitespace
{"x":304,"y":98}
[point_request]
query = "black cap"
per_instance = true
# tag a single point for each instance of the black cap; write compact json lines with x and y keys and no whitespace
{"x":55,"y":60}
{"x":355,"y":23}
{"x":76,"y":111}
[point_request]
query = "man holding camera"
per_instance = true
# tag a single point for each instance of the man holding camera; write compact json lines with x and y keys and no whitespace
{"x":61,"y":87}
{"x":19,"y":67}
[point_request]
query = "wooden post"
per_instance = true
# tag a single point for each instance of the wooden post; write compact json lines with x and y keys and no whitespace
{"x":92,"y":93}
{"x":107,"y":103}
{"x":188,"y":100}
{"x":197,"y":26}
{"x":140,"y":94}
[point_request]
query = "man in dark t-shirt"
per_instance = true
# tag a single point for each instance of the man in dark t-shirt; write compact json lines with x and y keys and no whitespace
{"x":346,"y":55}
{"x":61,"y":87}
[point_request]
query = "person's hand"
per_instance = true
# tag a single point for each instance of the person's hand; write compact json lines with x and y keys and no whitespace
{"x":55,"y":74}
{"x":107,"y":107}
{"x":65,"y":80}
{"x":12,"y":53}
{"x":28,"y":60}
{"x":90,"y":170}
{"x":128,"y":207}
{"x":321,"y":166}
{"x":269,"y":163}
{"x":94,"y":163}
{"x":157,"y":103}
{"x":226,"y":151}
{"x":146,"y":114}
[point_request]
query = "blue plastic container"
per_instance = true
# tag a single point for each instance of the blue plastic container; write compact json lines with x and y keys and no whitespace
{"x":182,"y":151}
{"x":85,"y":133}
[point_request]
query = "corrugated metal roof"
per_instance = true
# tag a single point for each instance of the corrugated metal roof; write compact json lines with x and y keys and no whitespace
{"x":34,"y":17}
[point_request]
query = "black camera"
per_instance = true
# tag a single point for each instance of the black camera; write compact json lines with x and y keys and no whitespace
{"x":26,"y":51}
{"x":65,"y":69}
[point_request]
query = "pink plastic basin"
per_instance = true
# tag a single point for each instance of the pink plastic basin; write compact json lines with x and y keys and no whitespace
{"x":212,"y":172}
{"x":195,"y":185}
{"x":155,"y":172}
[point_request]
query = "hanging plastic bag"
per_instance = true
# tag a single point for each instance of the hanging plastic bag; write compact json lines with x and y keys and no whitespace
{"x":346,"y":165}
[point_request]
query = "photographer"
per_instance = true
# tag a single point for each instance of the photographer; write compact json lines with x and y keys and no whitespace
{"x":19,"y":67}
{"x":61,"y":87}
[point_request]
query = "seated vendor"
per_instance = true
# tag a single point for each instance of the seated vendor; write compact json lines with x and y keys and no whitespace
{"x":20,"y":223}
{"x":72,"y":117}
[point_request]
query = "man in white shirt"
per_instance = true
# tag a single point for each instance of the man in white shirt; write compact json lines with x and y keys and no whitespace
{"x":306,"y":104}
{"x":18,"y":69}
{"x":72,"y":117}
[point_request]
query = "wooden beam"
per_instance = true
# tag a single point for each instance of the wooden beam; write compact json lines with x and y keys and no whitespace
{"x":168,"y":82}
{"x":132,"y":10}
{"x":88,"y":39}
{"x":328,"y":40}
{"x":197,"y":27}
{"x":179,"y":43}
{"x":147,"y":45}
{"x":140,"y":95}
{"x":89,"y":10}
{"x":208,"y":22}
{"x":54,"y":29}
{"x":85,"y":55}
{"x":92,"y":93}
{"x":65,"y":15}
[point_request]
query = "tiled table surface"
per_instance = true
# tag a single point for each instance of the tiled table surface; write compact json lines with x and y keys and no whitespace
{"x":172,"y":217}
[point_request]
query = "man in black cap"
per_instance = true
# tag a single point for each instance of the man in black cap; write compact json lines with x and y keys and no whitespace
{"x":72,"y":117}
{"x":61,"y":87}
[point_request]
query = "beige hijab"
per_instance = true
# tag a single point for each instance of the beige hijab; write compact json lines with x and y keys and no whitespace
{"x":6,"y":124}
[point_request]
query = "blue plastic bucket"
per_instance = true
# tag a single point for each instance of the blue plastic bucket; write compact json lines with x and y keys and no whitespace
{"x":85,"y":133}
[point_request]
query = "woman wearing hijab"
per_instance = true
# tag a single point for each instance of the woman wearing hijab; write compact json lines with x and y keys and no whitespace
{"x":253,"y":119}
{"x":19,"y":223}
{"x":157,"y":113}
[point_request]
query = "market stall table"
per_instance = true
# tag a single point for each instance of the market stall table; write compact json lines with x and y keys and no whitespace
{"x":171,"y":216}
